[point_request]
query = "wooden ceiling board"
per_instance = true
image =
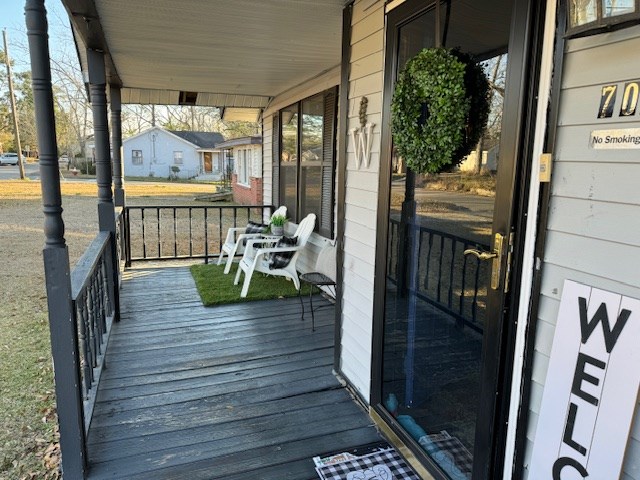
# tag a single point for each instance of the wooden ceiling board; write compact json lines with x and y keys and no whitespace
{"x":244,"y":47}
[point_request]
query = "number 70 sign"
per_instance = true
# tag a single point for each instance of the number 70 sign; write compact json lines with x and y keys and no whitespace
{"x":629,"y":100}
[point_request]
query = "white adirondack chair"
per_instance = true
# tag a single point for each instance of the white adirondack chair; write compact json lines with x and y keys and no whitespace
{"x":233,"y":245}
{"x":257,"y":260}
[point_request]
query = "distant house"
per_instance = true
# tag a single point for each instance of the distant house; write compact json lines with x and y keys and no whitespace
{"x":489,"y":161}
{"x":157,"y":152}
{"x":246,"y":157}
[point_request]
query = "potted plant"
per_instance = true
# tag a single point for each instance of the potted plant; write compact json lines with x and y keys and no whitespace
{"x":277,"y":224}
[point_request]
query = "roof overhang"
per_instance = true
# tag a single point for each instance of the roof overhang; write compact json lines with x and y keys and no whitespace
{"x":241,"y":141}
{"x":223,"y":53}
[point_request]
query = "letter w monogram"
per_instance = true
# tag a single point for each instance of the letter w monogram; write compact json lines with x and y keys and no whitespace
{"x":610,"y":335}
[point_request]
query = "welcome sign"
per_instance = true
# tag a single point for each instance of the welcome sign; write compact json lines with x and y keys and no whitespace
{"x":591,"y":389}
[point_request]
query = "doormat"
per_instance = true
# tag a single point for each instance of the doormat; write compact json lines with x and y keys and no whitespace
{"x":383,"y":465}
{"x":449,"y":452}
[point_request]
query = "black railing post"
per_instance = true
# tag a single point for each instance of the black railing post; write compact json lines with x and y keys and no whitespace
{"x":62,"y":320}
{"x":116,"y":146}
{"x":106,"y":210}
{"x":127,"y":237}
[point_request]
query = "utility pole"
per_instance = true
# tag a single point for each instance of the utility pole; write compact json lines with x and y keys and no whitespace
{"x":16,"y":131}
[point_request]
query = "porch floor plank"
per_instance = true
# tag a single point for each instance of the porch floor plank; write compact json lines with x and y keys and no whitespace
{"x":230,"y":392}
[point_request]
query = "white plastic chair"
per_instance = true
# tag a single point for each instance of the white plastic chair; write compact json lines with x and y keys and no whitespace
{"x":233,"y":246}
{"x":258,"y":260}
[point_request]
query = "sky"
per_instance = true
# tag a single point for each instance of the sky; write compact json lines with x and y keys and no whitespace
{"x":12,"y":19}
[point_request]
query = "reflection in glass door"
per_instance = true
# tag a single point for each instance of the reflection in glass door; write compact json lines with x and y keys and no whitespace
{"x":436,"y":289}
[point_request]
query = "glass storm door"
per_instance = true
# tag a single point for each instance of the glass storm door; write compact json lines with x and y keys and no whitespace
{"x":447,"y":243}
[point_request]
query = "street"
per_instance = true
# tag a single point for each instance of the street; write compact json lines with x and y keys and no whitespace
{"x":32,"y":171}
{"x":11,"y":172}
{"x":476,"y":204}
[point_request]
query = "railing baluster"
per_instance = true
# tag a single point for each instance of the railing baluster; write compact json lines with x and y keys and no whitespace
{"x":220,"y":238}
{"x":144,"y":241}
{"x":474,"y":309}
{"x":98,"y":310}
{"x":464,"y":279}
{"x":440,"y":267}
{"x":190,"y":232}
{"x":159,"y":243}
{"x":390,"y":248}
{"x":91,"y":315}
{"x":88,"y":312}
{"x":417,"y":274}
{"x":81,"y":315}
{"x":451,"y":270}
{"x":106,"y":301}
{"x":175,"y":234}
{"x":206,"y":236}
{"x":127,"y":229}
{"x":426,"y":278}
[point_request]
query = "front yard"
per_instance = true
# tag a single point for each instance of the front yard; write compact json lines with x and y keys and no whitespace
{"x":27,"y":404}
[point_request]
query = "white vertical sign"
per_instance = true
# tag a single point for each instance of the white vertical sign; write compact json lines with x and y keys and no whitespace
{"x":591,"y":389}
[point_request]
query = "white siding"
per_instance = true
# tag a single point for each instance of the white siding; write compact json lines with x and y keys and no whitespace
{"x":267,"y":159}
{"x":365,"y":78}
{"x":165,"y":144}
{"x":593,"y":228}
{"x":255,"y":160}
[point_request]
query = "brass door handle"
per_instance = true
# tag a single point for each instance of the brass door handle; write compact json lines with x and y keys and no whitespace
{"x":495,"y":255}
{"x":479,"y":254}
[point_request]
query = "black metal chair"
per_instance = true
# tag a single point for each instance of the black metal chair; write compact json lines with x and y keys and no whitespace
{"x":323,"y":276}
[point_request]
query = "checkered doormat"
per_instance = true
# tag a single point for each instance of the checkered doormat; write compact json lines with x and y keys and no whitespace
{"x":382,"y":465}
{"x":449,"y":452}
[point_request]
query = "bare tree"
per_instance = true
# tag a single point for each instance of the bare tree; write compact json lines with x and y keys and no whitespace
{"x":137,"y":118}
{"x":73,"y":110}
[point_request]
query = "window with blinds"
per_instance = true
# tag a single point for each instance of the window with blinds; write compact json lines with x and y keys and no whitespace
{"x":305,"y":159}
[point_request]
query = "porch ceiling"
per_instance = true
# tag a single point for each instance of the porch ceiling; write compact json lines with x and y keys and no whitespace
{"x":233,"y":53}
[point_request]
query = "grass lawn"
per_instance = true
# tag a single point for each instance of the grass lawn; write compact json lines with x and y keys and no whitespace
{"x":28,"y":438}
{"x":216,"y":288}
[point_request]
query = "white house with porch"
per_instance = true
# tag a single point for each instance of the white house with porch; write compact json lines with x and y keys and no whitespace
{"x":157,"y":152}
{"x":487,"y":336}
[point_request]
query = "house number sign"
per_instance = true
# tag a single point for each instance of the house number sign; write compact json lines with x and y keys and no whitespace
{"x":629,"y":105}
{"x":591,"y":387}
{"x":617,"y":139}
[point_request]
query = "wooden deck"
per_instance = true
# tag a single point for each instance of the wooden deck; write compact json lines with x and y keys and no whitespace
{"x":242,"y":391}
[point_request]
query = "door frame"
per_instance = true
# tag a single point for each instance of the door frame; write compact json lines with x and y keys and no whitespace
{"x":525,"y":45}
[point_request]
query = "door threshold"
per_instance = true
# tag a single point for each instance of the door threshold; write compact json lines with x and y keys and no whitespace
{"x":399,"y":445}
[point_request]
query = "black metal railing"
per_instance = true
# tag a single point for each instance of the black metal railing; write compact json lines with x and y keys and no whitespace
{"x":183,"y":232}
{"x":445,"y":277}
{"x":93,"y":296}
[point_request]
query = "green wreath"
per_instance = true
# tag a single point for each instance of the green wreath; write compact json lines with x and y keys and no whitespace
{"x":439,"y":109}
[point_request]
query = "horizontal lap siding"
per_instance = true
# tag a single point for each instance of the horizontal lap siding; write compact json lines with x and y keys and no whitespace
{"x":365,"y":79}
{"x":593,"y":228}
{"x":267,"y":159}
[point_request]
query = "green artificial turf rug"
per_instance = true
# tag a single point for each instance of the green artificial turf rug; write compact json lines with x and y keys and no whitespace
{"x":216,"y":288}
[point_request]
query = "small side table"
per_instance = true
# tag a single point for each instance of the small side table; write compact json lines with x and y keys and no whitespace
{"x":315,"y":279}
